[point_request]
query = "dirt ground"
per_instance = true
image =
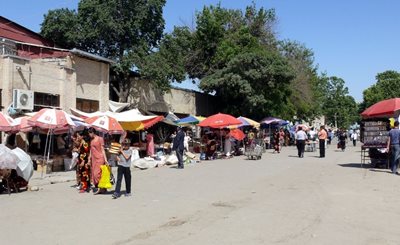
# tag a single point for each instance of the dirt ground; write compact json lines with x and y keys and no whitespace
{"x":280,"y":199}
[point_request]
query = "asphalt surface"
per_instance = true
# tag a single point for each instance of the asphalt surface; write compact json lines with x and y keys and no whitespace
{"x":280,"y":199}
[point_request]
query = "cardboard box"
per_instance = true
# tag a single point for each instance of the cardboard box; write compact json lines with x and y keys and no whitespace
{"x":44,"y":168}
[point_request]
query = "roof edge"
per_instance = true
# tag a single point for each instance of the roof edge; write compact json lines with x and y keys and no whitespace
{"x":85,"y":54}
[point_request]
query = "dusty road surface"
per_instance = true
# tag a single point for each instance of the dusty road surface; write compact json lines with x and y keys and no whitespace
{"x":280,"y":199}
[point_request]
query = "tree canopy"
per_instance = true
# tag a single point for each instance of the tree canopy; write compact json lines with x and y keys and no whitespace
{"x":387,"y":86}
{"x":122,"y":30}
{"x":340,"y":109}
{"x":232,"y":54}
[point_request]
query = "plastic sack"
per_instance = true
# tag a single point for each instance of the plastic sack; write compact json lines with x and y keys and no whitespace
{"x":144,"y":164}
{"x":8,"y":159}
{"x":105,"y":177}
{"x":171,"y":159}
{"x":135,"y":155}
{"x":74,"y":160}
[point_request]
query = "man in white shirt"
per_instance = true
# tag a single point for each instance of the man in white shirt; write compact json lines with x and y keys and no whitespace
{"x":354,"y":137}
{"x":313,"y":134}
{"x":301,"y":138}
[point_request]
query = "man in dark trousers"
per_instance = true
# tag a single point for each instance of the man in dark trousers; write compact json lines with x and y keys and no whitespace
{"x":322,"y":136}
{"x":178,"y":146}
{"x":393,"y":147}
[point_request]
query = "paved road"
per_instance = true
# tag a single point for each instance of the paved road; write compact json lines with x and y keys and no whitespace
{"x":280,"y":199}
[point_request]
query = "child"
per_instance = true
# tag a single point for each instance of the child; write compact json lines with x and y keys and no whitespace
{"x":124,"y":168}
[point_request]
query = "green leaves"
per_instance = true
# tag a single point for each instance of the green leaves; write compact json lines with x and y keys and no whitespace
{"x":340,"y":109}
{"x":254,"y":84}
{"x":123,"y":30}
{"x":60,"y":26}
{"x":387,"y":86}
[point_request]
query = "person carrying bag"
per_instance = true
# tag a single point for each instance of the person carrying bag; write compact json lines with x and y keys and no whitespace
{"x":124,"y":169}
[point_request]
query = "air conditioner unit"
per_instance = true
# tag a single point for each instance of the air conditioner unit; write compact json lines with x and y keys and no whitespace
{"x":23,"y":99}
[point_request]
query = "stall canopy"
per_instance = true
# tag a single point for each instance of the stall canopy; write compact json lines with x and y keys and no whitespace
{"x":273,"y":120}
{"x":51,"y":119}
{"x":7,"y":124}
{"x":248,"y":122}
{"x":219,"y":120}
{"x":132,"y":120}
{"x":237,"y":134}
{"x":190,"y":120}
{"x":117,"y":106}
{"x":385,"y":108}
{"x":105,"y":124}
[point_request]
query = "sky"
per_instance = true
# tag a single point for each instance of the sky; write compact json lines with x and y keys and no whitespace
{"x":354,"y":40}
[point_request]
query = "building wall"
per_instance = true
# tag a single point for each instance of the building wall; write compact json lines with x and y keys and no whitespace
{"x":92,"y":80}
{"x":183,"y":101}
{"x":69,"y":77}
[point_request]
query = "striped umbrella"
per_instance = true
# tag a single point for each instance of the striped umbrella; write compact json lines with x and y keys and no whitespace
{"x":7,"y":124}
{"x":51,"y":119}
{"x":105,"y":124}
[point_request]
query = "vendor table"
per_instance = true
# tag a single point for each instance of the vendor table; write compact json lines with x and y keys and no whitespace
{"x":371,"y":153}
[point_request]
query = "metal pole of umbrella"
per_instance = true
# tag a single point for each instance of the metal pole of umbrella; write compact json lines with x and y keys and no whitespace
{"x":45,"y":153}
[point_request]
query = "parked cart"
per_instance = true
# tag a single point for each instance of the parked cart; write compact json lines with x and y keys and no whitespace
{"x":255,"y":150}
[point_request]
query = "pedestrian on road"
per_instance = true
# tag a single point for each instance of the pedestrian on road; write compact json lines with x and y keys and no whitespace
{"x":97,"y":157}
{"x":322,"y":136}
{"x":124,"y":169}
{"x":301,"y":138}
{"x":354,"y":138}
{"x":178,"y":146}
{"x":393,"y":147}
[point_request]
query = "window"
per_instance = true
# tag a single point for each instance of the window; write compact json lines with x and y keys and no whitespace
{"x":44,"y":100}
{"x":87,"y":105}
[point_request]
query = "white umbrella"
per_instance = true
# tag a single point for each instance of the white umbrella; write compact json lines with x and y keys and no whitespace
{"x":24,"y":164}
{"x":8,"y":160}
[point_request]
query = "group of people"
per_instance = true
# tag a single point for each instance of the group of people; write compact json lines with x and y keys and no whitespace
{"x":302,"y":137}
{"x":91,"y":163}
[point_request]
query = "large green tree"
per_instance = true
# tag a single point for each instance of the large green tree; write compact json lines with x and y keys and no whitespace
{"x":387,"y":86}
{"x":304,"y":101}
{"x":60,"y":26}
{"x":254,"y":84}
{"x":340,"y":109}
{"x":123,"y":30}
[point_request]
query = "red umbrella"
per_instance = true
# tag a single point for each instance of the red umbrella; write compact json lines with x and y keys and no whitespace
{"x":219,"y":120}
{"x":105,"y":124}
{"x":237,"y":134}
{"x":23,"y":125}
{"x":51,"y":119}
{"x":7,"y":124}
{"x":384,"y":108}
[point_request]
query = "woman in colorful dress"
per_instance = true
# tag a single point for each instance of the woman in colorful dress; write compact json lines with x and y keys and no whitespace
{"x":82,"y":166}
{"x":97,"y":157}
{"x":276,"y":141}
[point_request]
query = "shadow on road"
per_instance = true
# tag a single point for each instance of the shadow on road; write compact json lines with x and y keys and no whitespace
{"x":354,"y":165}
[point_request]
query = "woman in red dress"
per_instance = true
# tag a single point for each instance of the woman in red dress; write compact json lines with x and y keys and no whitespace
{"x":97,"y":158}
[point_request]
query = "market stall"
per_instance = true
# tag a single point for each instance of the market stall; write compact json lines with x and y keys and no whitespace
{"x":375,"y":131}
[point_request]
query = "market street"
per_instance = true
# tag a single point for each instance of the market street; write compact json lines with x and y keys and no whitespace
{"x":280,"y":199}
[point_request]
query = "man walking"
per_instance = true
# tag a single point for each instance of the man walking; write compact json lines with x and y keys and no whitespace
{"x":301,"y":137}
{"x":322,"y":136}
{"x":354,"y":138}
{"x":178,"y":146}
{"x":393,"y":147}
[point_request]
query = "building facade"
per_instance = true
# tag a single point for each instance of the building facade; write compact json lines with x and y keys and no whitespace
{"x":58,"y":78}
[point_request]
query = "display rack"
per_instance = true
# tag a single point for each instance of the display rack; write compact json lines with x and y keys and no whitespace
{"x":374,"y":136}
